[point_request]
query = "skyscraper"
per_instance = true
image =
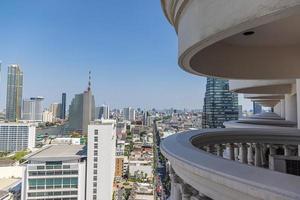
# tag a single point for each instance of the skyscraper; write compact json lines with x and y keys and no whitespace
{"x":129,"y":114}
{"x":257,"y":109}
{"x":101,"y":159}
{"x":220,"y":105}
{"x":55,"y":108}
{"x":82,"y":110}
{"x":14,"y":93}
{"x":63,"y":106}
{"x":33,"y":109}
{"x":103,"y":112}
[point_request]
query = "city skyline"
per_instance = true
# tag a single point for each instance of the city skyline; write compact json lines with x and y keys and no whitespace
{"x":59,"y":60}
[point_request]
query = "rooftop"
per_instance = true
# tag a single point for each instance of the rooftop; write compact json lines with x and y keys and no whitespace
{"x":59,"y":152}
{"x":7,"y":183}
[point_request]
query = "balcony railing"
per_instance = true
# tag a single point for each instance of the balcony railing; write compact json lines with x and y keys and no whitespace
{"x":231,"y":164}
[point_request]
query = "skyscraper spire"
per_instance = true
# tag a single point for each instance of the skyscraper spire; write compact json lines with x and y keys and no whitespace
{"x":89,"y":88}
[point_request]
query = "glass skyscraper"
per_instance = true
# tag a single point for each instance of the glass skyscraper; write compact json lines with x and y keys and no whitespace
{"x":220,"y":104}
{"x":63,"y":106}
{"x":14,"y":93}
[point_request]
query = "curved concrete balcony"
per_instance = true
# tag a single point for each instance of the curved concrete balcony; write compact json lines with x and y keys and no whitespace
{"x":267,"y":115}
{"x":262,"y":86}
{"x":199,"y":170}
{"x":260,"y":123}
{"x":258,"y":39}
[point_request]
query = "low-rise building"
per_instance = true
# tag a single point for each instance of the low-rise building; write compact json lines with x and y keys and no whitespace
{"x":55,"y":172}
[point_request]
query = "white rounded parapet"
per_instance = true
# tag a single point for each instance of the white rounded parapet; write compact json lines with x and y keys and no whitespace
{"x":219,"y":178}
{"x":260,"y":123}
{"x":262,"y":86}
{"x":234,"y":39}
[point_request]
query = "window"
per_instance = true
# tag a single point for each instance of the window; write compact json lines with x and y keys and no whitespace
{"x":95,"y":178}
{"x":96,"y":132}
{"x":95,"y":152}
{"x":96,"y":139}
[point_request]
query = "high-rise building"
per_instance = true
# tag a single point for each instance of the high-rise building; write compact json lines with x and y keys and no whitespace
{"x":257,"y":109}
{"x":16,"y":137}
{"x":55,"y":108}
{"x":220,"y":105}
{"x":63,"y":106}
{"x":82,"y":111}
{"x":47,"y":116}
{"x":101,"y":159}
{"x":33,"y":109}
{"x":55,"y":172}
{"x":129,"y":114}
{"x":103,"y":112}
{"x":14,"y":93}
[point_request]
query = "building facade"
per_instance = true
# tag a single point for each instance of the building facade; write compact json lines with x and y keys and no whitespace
{"x":82,"y":111}
{"x":33,"y":109}
{"x":55,"y":108}
{"x":103,"y":112}
{"x":129,"y":114}
{"x":16,"y":137}
{"x":63,"y":106}
{"x":14,"y":93}
{"x":101,"y":159}
{"x":220,"y":104}
{"x":55,"y":172}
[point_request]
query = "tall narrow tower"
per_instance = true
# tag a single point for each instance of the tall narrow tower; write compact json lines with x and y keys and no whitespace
{"x":14,"y":93}
{"x":220,"y":104}
{"x":63,"y":106}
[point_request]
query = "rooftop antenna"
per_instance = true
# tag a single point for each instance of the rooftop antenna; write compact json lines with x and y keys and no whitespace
{"x":89,"y":88}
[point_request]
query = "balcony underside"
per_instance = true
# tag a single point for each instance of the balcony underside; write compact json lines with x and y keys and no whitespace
{"x":232,"y":39}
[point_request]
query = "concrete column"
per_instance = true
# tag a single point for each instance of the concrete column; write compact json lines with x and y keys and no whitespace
{"x":250,"y":154}
{"x":220,"y":150}
{"x":258,"y":159}
{"x":210,"y":148}
{"x":298,"y":107}
{"x":231,"y":151}
{"x":282,"y":108}
{"x":236,"y":153}
{"x":243,"y":153}
{"x":291,"y":108}
{"x":287,"y":150}
{"x":277,"y":109}
{"x":272,"y":149}
{"x":263,"y":154}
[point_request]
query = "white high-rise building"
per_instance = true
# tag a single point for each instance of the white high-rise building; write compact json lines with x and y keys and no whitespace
{"x":55,"y":172}
{"x":101,"y":159}
{"x":16,"y":137}
{"x":129,"y":114}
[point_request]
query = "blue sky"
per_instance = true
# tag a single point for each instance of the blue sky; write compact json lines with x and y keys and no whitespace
{"x":128,"y":45}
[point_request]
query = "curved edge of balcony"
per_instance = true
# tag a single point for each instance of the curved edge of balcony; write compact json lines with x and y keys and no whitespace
{"x":218,"y":177}
{"x":260,"y":123}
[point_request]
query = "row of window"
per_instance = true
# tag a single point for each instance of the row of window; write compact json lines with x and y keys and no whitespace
{"x":58,"y":193}
{"x":50,"y":183}
{"x":50,"y":173}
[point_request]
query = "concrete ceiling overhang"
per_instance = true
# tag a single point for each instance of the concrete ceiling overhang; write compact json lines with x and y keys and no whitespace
{"x":263,"y":96}
{"x":262,"y":86}
{"x":258,"y":39}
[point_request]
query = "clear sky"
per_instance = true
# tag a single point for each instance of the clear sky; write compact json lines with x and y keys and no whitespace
{"x":128,"y":45}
